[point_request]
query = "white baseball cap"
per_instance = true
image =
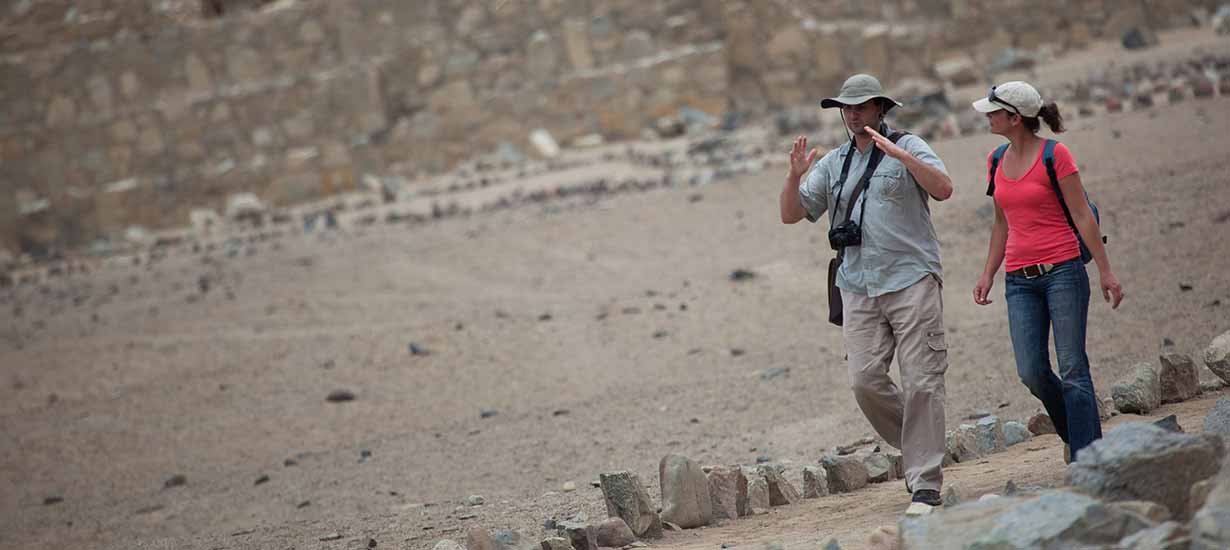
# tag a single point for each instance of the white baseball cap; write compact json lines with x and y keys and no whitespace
{"x":1016,"y":96}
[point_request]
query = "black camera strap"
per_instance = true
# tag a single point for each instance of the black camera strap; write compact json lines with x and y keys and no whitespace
{"x":863,"y":182}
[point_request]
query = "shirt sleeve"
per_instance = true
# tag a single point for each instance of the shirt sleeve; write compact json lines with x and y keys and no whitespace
{"x":814,"y":190}
{"x":1065,"y":165}
{"x":916,"y":146}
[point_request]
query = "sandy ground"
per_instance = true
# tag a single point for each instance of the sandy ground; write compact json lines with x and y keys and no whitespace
{"x":597,"y":334}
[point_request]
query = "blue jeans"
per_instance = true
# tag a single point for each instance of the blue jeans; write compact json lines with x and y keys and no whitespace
{"x":1059,"y":298}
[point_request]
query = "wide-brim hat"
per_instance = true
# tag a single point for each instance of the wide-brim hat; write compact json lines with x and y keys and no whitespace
{"x":857,"y":90}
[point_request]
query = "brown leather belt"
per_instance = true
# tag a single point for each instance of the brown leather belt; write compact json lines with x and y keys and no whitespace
{"x":1037,"y":270}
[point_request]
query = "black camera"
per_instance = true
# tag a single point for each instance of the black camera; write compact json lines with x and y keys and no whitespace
{"x":847,"y":233}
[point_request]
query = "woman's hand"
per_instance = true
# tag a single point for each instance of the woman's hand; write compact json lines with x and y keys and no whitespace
{"x":800,"y":159}
{"x":983,"y":289}
{"x":1112,"y":291}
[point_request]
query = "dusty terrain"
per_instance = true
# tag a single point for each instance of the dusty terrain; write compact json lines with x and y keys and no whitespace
{"x":595,"y":335}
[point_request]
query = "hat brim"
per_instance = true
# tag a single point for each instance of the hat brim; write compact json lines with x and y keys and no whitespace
{"x":838,"y":102}
{"x":985,"y":105}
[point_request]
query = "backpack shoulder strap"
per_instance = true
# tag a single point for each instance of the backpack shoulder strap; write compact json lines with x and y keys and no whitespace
{"x":1048,"y":158}
{"x":996,"y":156}
{"x":897,"y":135}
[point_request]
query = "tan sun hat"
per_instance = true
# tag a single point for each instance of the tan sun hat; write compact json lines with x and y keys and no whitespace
{"x":857,"y":90}
{"x":1016,"y":97}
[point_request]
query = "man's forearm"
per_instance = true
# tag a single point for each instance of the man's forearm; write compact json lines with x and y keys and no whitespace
{"x":791,"y":206}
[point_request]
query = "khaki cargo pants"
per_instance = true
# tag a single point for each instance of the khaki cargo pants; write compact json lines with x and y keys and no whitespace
{"x":909,"y":323}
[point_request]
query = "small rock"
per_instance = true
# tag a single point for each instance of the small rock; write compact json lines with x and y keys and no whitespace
{"x":815,"y":482}
{"x":727,"y":492}
{"x":781,"y":492}
{"x":1217,"y":357}
{"x":1010,"y":489}
{"x":1040,"y":424}
{"x":613,"y":533}
{"x":757,"y":495}
{"x":340,"y":396}
{"x":262,"y":479}
{"x":1217,"y":422}
{"x":338,"y":536}
{"x":627,"y":499}
{"x":304,"y":504}
{"x":444,"y":544}
{"x":742,"y":275}
{"x":685,"y":492}
{"x":1141,"y":393}
{"x":475,"y":500}
{"x":951,"y":497}
{"x":569,"y":487}
{"x":1015,"y":432}
{"x":554,"y":543}
{"x":1178,"y":378}
{"x":487,"y":413}
{"x":176,"y":480}
{"x":1169,"y":423}
{"x":845,"y":473}
{"x":879,"y":467}
{"x":418,"y":350}
{"x":774,"y":372}
{"x":52,"y":500}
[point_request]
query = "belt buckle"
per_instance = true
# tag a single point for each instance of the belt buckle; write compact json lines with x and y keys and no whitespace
{"x":1033,"y":271}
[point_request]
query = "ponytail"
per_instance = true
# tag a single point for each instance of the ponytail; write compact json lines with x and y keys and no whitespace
{"x":1048,"y":114}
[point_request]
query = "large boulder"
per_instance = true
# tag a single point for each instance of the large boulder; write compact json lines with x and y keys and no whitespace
{"x":1179,"y":379}
{"x":1211,"y":524}
{"x":627,"y":499}
{"x":1217,"y":357}
{"x":1139,"y":461}
{"x":1141,"y":393}
{"x":845,"y":473}
{"x":685,"y":492}
{"x":727,"y":491}
{"x":1057,"y":519}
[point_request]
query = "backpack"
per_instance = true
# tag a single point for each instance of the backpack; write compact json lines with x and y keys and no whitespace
{"x":1048,"y":158}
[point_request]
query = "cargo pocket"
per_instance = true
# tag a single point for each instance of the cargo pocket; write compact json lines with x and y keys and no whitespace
{"x":937,"y":352}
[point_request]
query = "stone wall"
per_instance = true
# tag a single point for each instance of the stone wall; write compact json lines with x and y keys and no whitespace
{"x":121,"y":113}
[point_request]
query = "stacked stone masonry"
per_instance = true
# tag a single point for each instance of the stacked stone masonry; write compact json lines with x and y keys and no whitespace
{"x":133,"y":112}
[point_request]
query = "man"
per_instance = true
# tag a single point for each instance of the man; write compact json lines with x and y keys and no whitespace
{"x":891,"y":282}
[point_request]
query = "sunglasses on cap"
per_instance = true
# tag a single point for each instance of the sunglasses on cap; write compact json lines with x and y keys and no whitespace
{"x":996,"y":99}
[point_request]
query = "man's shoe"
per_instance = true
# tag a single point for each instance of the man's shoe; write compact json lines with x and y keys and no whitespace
{"x":923,"y":501}
{"x":930,"y":497}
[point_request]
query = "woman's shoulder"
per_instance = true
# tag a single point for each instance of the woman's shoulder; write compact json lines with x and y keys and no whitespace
{"x":1061,"y":150}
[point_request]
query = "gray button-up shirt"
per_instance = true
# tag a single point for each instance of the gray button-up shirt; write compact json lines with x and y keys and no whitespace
{"x":899,"y":243}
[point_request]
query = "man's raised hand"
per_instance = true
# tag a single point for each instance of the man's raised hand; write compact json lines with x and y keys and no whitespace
{"x":800,"y":159}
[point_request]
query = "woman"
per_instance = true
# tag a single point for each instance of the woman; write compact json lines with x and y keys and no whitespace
{"x":1046,"y":282}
